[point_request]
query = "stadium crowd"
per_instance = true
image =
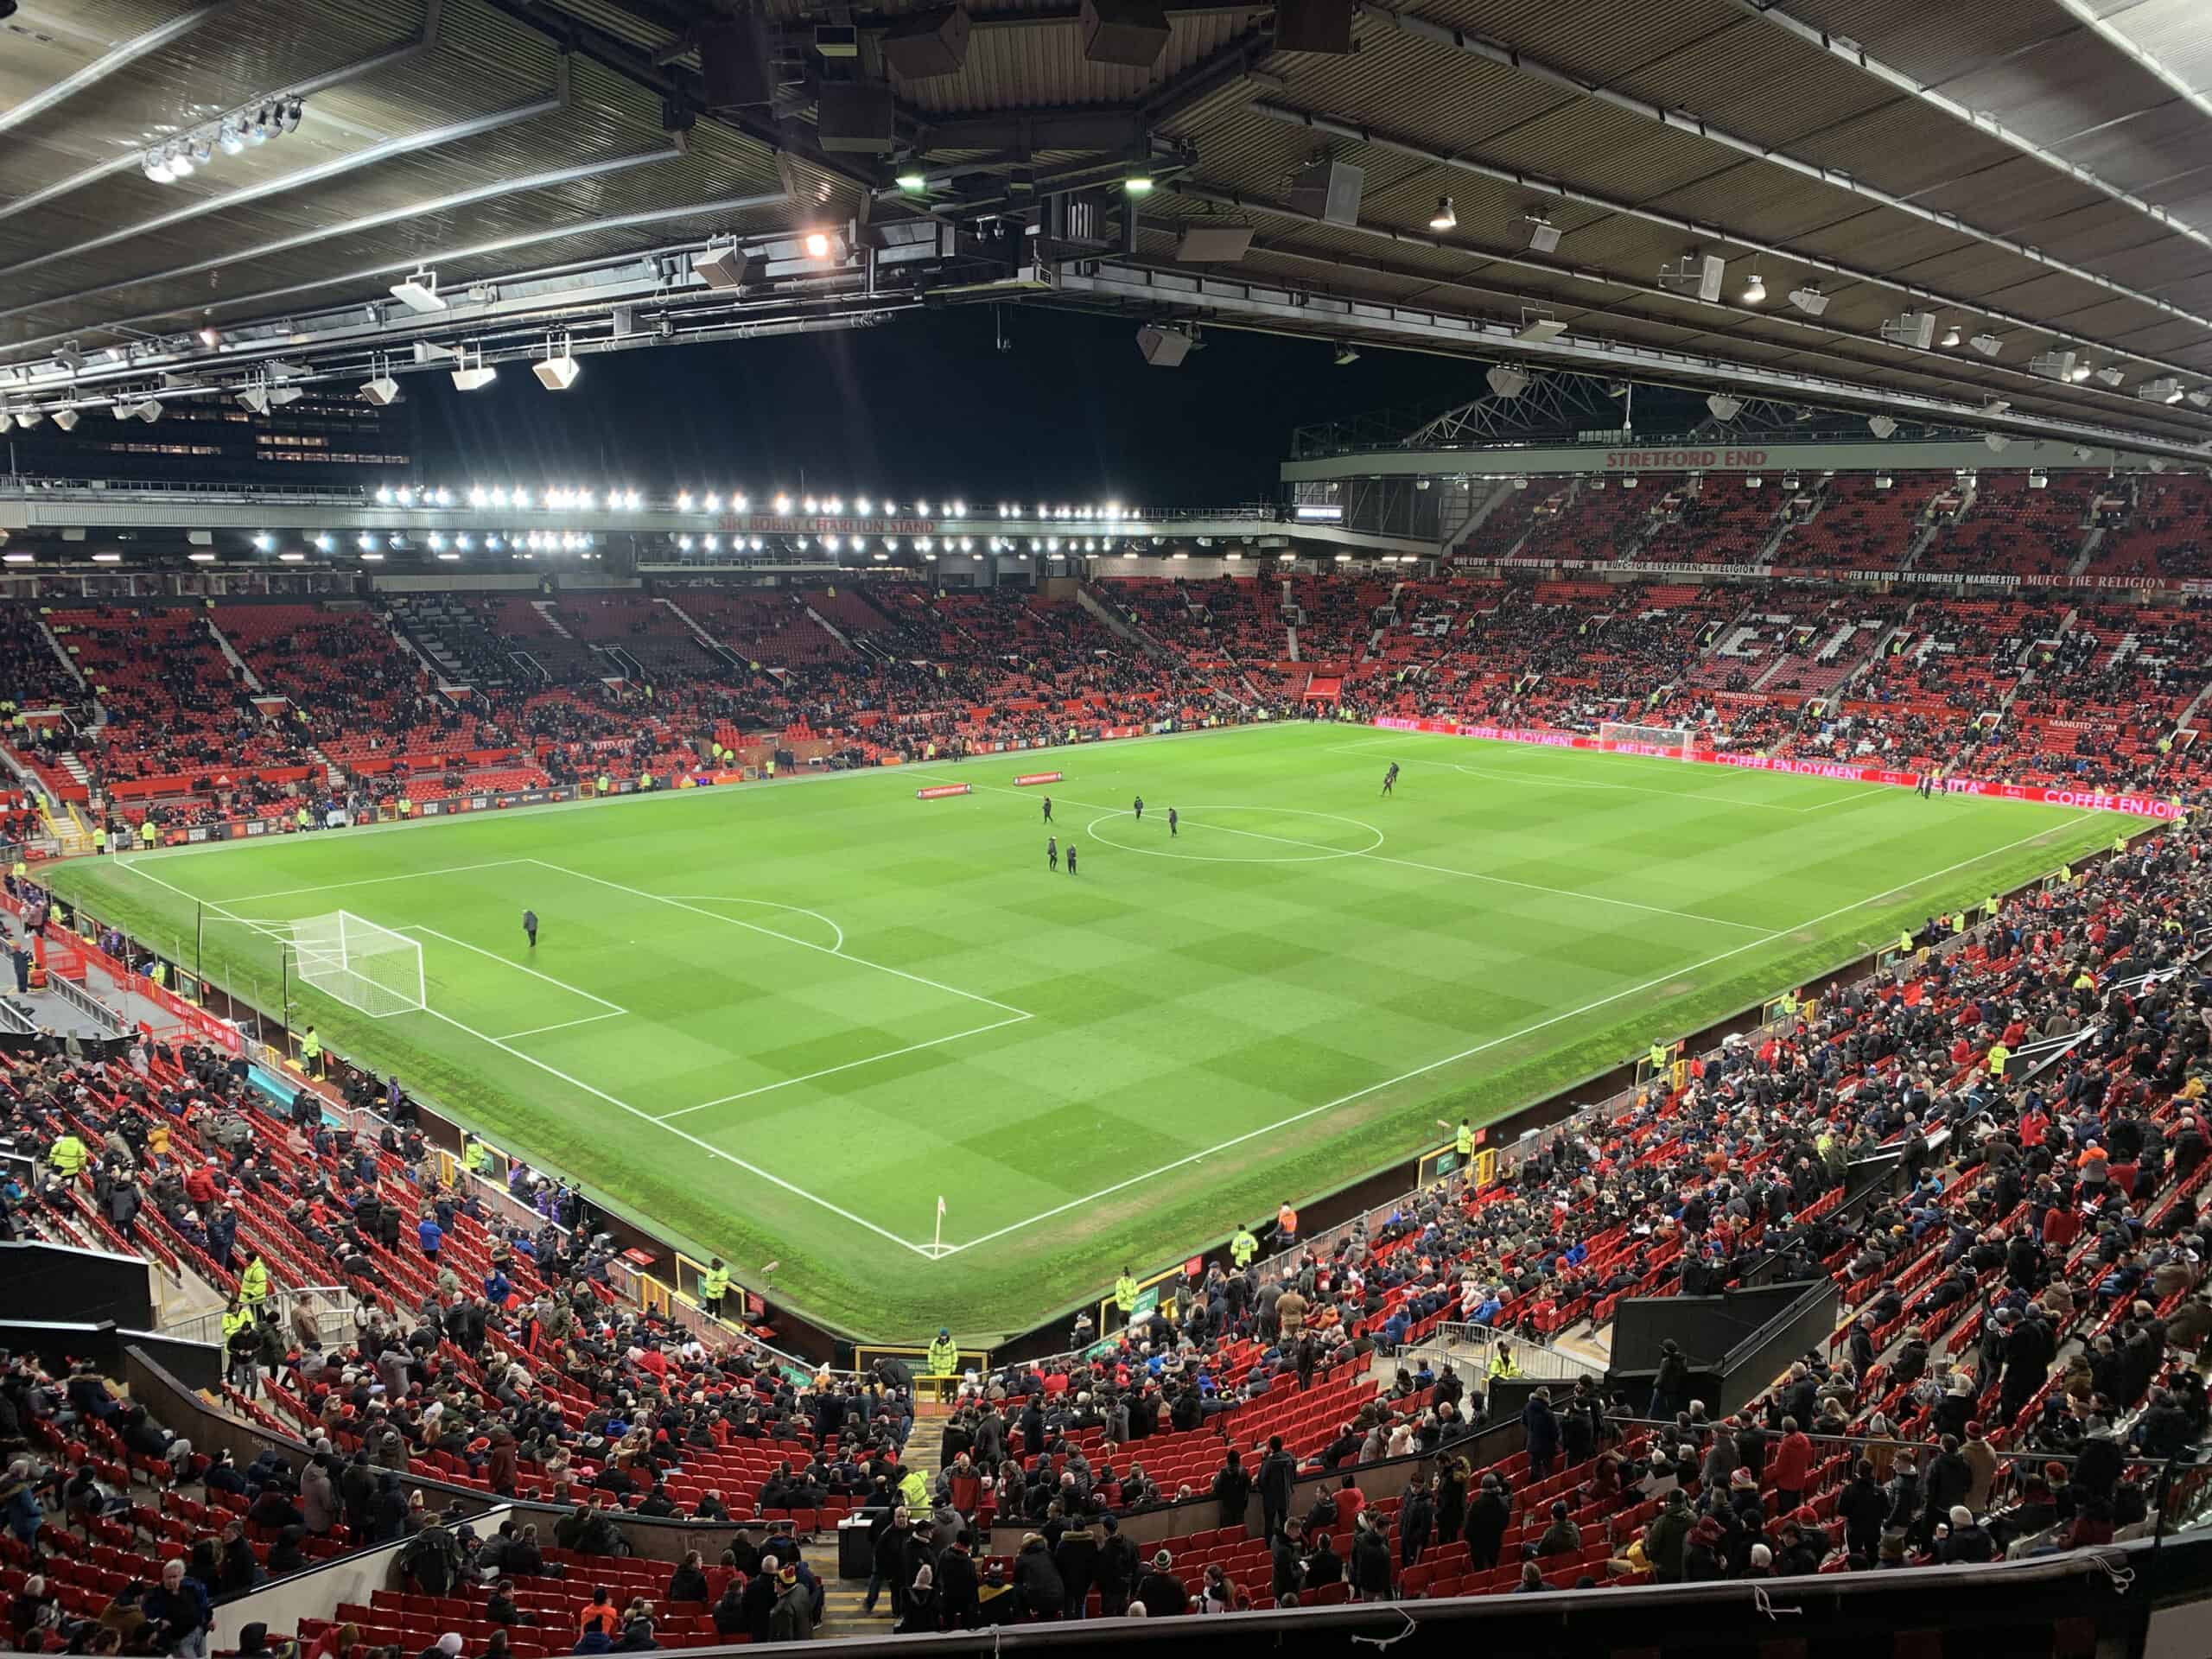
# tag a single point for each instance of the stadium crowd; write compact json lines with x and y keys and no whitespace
{"x":2026,"y":1302}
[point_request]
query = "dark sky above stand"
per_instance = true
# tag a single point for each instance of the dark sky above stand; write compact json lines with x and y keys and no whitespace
{"x":924,"y":406}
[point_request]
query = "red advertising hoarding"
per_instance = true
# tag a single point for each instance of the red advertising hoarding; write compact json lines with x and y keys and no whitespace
{"x":937,"y":791}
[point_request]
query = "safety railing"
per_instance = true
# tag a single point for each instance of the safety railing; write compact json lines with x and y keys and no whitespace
{"x":332,"y":1306}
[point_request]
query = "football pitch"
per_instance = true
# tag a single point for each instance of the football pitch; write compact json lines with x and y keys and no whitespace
{"x":778,"y":1023}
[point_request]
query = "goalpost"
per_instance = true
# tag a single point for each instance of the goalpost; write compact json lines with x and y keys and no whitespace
{"x":1622,"y":738}
{"x":358,"y":963}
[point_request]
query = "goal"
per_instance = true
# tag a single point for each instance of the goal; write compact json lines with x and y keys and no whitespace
{"x":358,"y":963}
{"x":1623,"y":738}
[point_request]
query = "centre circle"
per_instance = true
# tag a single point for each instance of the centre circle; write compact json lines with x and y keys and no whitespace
{"x":1266,"y":848}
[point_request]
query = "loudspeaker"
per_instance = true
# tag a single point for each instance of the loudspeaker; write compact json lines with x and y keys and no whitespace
{"x":722,"y":267}
{"x":1205,"y":244}
{"x":926,"y":43}
{"x":1313,"y":26}
{"x":734,"y":69}
{"x":1330,"y":190}
{"x":1131,"y":33}
{"x":1164,"y":349}
{"x":1712,"y":271}
{"x":854,"y":118}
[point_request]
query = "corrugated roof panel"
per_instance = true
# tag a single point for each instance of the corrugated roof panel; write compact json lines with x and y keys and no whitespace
{"x":1600,"y":43}
{"x":2049,"y":92}
{"x":1752,"y":78}
{"x":1042,"y":66}
{"x":1934,"y":43}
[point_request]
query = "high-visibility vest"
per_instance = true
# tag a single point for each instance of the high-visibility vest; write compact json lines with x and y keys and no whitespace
{"x":1790,"y":1005}
{"x":147,"y":833}
{"x":2066,"y":872}
{"x":235,"y":1320}
{"x":944,"y":1358}
{"x":1125,"y":1294}
{"x":20,"y":870}
{"x":1658,"y":1057}
{"x":604,"y":783}
{"x":644,"y":780}
{"x":253,"y":1283}
{"x":1463,"y":1142}
{"x":915,"y":1491}
{"x":1242,"y":1248}
{"x":100,"y":837}
{"x":1990,"y":903}
{"x":713,"y":1285}
{"x":2119,"y":843}
{"x":406,"y":807}
{"x":1998,"y":1055}
{"x":302,"y":816}
{"x":68,"y":1157}
{"x":1501,"y":1362}
{"x":1904,"y":940}
{"x":311,"y":1047}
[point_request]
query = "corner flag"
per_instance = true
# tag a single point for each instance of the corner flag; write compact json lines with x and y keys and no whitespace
{"x":940,"y":1206}
{"x":937,"y":1241}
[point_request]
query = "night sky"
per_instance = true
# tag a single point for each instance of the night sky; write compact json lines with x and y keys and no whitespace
{"x":923,"y":406}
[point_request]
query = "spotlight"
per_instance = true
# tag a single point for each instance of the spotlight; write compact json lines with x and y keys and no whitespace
{"x":1755,"y":290}
{"x":263,"y":541}
{"x":1543,"y":235}
{"x":231,"y":137}
{"x":30,"y":414}
{"x":1724,"y":407}
{"x":1987,"y":345}
{"x":1505,"y":381}
{"x":1880,"y":425}
{"x":1137,"y":181}
{"x":1951,"y":335}
{"x":264,"y":118}
{"x":2112,"y":374}
{"x":817,"y":246}
{"x":1809,"y":299}
{"x":1446,"y":217}
{"x":156,"y":166}
{"x":419,"y":292}
{"x":1345,"y":354}
{"x":912,"y":180}
{"x":288,"y":115}
{"x":177,"y":158}
{"x":1996,"y":441}
{"x":380,"y":392}
{"x":2201,"y":398}
{"x":475,"y":378}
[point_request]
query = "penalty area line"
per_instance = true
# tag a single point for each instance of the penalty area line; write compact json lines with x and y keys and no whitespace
{"x":1494,"y":1042}
{"x":707,"y":1146}
{"x":849,"y":1065}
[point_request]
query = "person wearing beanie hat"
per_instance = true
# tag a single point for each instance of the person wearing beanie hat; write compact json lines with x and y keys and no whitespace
{"x":1761,"y":1564}
{"x":1967,"y":1543}
{"x":793,"y":1617}
{"x":1161,"y":1590}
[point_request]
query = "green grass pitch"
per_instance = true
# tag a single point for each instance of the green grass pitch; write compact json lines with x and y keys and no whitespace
{"x":777,"y":1023}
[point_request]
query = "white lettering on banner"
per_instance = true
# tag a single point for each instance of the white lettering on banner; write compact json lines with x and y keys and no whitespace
{"x":2140,"y":806}
{"x":766,"y":523}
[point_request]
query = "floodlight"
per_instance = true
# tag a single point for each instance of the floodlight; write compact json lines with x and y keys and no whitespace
{"x":817,"y":246}
{"x":476,"y":377}
{"x":28,"y":416}
{"x":1951,"y":335}
{"x":380,"y":392}
{"x":1809,"y":299}
{"x":67,"y":419}
{"x":281,"y":396}
{"x":1881,"y":425}
{"x":1506,"y":381}
{"x":1755,"y":290}
{"x":1537,"y":331}
{"x":2165,"y":390}
{"x":1446,"y":217}
{"x":1724,"y":407}
{"x":2201,"y":398}
{"x":1987,"y":345}
{"x":419,"y":292}
{"x":1543,"y":235}
{"x":1345,"y":354}
{"x":912,"y":180}
{"x":156,"y":166}
{"x":2112,"y":374}
{"x":1996,"y":441}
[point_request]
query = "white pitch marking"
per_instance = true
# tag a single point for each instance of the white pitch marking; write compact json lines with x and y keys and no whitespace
{"x":830,"y":1071}
{"x":803,"y":944}
{"x":373,"y":881}
{"x":589,"y":1019}
{"x":769,"y":904}
{"x":572,"y":990}
{"x":1525,"y":1030}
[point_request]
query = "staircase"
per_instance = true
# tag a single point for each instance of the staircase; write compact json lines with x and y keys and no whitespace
{"x":231,"y":656}
{"x":553,"y":625}
{"x":67,"y":660}
{"x":2090,"y":546}
{"x":843,"y":1598}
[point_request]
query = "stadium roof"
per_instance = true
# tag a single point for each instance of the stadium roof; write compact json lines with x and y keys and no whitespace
{"x":2032,"y":174}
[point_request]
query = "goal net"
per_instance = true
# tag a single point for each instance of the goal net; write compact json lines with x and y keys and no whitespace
{"x":1624,"y":739}
{"x":358,"y":963}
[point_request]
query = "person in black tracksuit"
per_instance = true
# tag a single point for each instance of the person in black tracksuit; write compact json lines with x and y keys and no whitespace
{"x":1070,"y":858}
{"x":1052,"y":851}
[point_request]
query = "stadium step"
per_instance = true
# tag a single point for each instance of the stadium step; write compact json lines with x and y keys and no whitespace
{"x":843,"y":1598}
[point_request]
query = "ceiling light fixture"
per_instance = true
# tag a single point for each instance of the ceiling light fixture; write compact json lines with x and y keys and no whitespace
{"x":1755,"y":290}
{"x":1446,"y":217}
{"x":419,"y":292}
{"x":1346,"y":355}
